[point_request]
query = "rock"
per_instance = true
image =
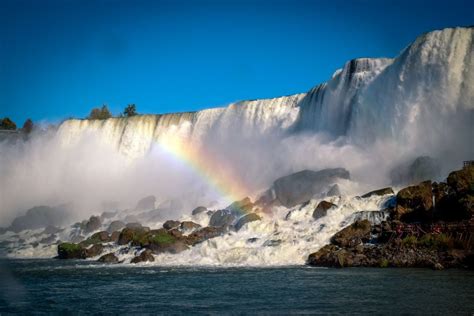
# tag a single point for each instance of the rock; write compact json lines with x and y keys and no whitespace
{"x":198,"y":210}
{"x":334,"y":191}
{"x":222,"y":218}
{"x":96,"y":238}
{"x":175,"y":233}
{"x":171,"y":224}
{"x":203,"y":234}
{"x":324,"y":257}
{"x":437,"y":266}
{"x":189,"y":225}
{"x":114,"y":237}
{"x":106,"y":215}
{"x":77,"y":239}
{"x":421,"y":169}
{"x":272,"y":243}
{"x":136,"y":225}
{"x":415,"y":203}
{"x":374,"y":217}
{"x":299,"y":187}
{"x":462,"y":181}
{"x":353,"y":235}
{"x":378,"y":192}
{"x":243,"y":206}
{"x":71,"y":251}
{"x":135,"y":235}
{"x":48,"y":240}
{"x":115,"y":226}
{"x":146,"y":203}
{"x":145,"y":256}
{"x":93,"y":224}
{"x":94,"y":250}
{"x":252,"y":217}
{"x":40,"y":217}
{"x":108,"y":258}
{"x":322,"y":209}
{"x":162,"y":241}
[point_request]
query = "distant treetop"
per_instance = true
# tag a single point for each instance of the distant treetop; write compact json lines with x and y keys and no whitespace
{"x":7,"y":124}
{"x":100,"y":113}
{"x":130,"y":110}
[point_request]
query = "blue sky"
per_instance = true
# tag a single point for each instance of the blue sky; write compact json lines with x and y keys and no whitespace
{"x":61,"y":58}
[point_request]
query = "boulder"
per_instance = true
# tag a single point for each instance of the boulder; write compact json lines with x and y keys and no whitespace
{"x":378,"y":192}
{"x":135,"y":235}
{"x":170,"y":224}
{"x":414,"y":203}
{"x":421,"y":169}
{"x":161,"y":241}
{"x":299,"y":187}
{"x":189,"y":225}
{"x":114,"y":237}
{"x":243,"y":206}
{"x":51,"y":230}
{"x":145,"y":204}
{"x":136,"y":225}
{"x":71,"y":251}
{"x":322,"y":209}
{"x":252,"y":217}
{"x":222,"y":218}
{"x":145,"y":256}
{"x":92,"y":224}
{"x":198,"y":210}
{"x":94,"y":250}
{"x":97,"y":238}
{"x":108,"y":258}
{"x":203,"y":234}
{"x":462,"y":181}
{"x":40,"y":217}
{"x":353,"y":235}
{"x":115,"y":226}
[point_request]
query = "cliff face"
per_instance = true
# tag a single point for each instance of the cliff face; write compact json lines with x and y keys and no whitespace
{"x":431,"y":81}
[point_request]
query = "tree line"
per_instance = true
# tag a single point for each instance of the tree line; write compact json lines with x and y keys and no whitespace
{"x":100,"y":113}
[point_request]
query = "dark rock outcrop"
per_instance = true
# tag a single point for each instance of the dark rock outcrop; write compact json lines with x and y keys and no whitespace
{"x":299,"y":187}
{"x":94,"y":250}
{"x":189,"y":225}
{"x":71,"y":251}
{"x":415,"y":203}
{"x":96,"y":238}
{"x":170,"y":224}
{"x":198,"y":210}
{"x":252,"y":217}
{"x":92,"y":224}
{"x":322,"y":209}
{"x":421,"y":169}
{"x":334,"y":191}
{"x":353,"y":235}
{"x":109,"y":258}
{"x":145,"y":204}
{"x":203,"y":234}
{"x":378,"y":192}
{"x":115,"y":226}
{"x":145,"y":256}
{"x":223,"y":218}
{"x":40,"y":217}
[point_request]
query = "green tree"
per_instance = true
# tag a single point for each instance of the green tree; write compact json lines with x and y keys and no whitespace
{"x":100,"y":113}
{"x":8,"y":124}
{"x":130,"y":110}
{"x":28,"y":126}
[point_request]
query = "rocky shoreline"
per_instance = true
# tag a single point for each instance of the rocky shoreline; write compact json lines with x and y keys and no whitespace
{"x":430,"y":226}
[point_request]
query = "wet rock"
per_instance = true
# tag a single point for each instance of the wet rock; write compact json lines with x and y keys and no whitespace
{"x":109,"y":258}
{"x":175,"y":233}
{"x":198,"y":210}
{"x":51,"y":230}
{"x":189,"y":225}
{"x":299,"y":187}
{"x":252,"y":217}
{"x":94,"y":250}
{"x":171,"y":224}
{"x":222,"y":218}
{"x":40,"y":217}
{"x":145,"y":256}
{"x":414,"y":203}
{"x":115,"y":226}
{"x":378,"y":192}
{"x":71,"y":251}
{"x":162,"y":241}
{"x":135,"y":235}
{"x":252,"y":240}
{"x":136,"y":225}
{"x":49,"y":240}
{"x":97,"y":238}
{"x":322,"y":209}
{"x":203,"y":234}
{"x":353,"y":235}
{"x":462,"y":181}
{"x":421,"y":169}
{"x":243,"y":206}
{"x":272,"y":243}
{"x":146,"y":203}
{"x":92,"y":224}
{"x":106,"y":215}
{"x":114,"y":237}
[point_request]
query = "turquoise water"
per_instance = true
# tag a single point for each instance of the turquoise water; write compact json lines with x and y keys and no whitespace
{"x":45,"y":286}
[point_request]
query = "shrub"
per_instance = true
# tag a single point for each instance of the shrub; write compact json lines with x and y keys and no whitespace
{"x":130,"y":110}
{"x":100,"y":113}
{"x":383,"y":263}
{"x":409,"y":241}
{"x":436,"y":241}
{"x":7,"y":124}
{"x":28,"y":126}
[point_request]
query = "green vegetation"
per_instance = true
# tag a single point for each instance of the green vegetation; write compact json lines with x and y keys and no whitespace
{"x":7,"y":124}
{"x":130,"y":110}
{"x":162,"y":238}
{"x":70,"y":247}
{"x":409,"y":241}
{"x":100,"y":113}
{"x":383,"y":263}
{"x":430,"y":241}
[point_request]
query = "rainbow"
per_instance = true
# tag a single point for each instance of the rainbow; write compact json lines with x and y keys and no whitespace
{"x":216,"y":172}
